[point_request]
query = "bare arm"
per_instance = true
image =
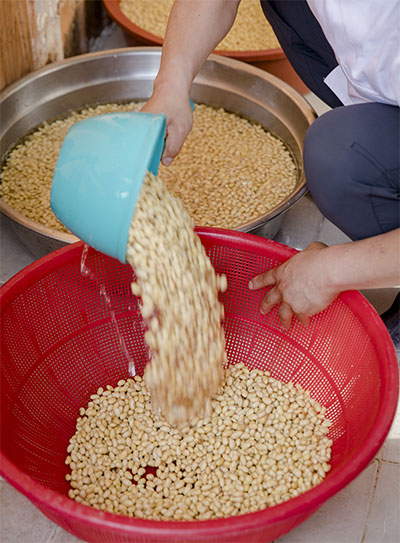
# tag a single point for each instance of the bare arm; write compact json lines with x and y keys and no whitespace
{"x":194,"y":29}
{"x":312,"y":279}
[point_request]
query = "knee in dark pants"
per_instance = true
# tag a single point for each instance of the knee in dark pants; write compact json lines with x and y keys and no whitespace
{"x":351,"y":163}
{"x":325,"y":164}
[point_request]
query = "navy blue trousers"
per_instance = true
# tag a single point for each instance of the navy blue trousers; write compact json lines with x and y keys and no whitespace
{"x":351,"y":153}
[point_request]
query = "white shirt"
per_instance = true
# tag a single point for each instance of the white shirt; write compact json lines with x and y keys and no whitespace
{"x":365,"y":37}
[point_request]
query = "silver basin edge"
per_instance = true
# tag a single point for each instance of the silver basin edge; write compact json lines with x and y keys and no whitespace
{"x":128,"y":74}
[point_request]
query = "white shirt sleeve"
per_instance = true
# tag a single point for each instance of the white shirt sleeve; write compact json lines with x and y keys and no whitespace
{"x":365,"y":37}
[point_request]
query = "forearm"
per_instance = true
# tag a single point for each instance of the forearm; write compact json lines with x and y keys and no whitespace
{"x":309,"y":281}
{"x":194,"y":29}
{"x":368,"y":263}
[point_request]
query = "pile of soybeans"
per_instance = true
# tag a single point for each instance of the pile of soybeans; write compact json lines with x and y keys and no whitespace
{"x":193,"y":439}
{"x":264,"y":442}
{"x":250,"y":31}
{"x":230,"y":170}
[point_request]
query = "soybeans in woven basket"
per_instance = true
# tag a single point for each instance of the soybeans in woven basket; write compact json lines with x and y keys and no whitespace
{"x":250,"y":31}
{"x":263,"y":443}
{"x":230,"y":170}
{"x":190,"y":440}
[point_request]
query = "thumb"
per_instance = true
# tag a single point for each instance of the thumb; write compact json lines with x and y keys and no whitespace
{"x":175,"y":138}
{"x":316,"y":245}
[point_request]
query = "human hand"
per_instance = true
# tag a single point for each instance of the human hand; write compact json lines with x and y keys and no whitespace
{"x":300,"y":285}
{"x":175,"y":104}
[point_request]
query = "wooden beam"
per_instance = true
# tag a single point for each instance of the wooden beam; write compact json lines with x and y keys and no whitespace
{"x":16,"y":58}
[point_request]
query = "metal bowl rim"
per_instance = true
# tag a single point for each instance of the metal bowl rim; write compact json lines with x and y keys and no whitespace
{"x":306,"y":109}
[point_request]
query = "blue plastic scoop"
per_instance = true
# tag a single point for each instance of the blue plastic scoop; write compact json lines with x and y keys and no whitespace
{"x":99,"y":174}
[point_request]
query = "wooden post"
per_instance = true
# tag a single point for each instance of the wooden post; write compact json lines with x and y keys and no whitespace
{"x":36,"y":32}
{"x":15,"y":41}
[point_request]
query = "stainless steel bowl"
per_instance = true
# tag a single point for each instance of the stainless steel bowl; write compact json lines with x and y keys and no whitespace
{"x":124,"y":74}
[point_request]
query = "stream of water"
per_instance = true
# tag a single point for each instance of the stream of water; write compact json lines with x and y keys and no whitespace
{"x":87,"y":272}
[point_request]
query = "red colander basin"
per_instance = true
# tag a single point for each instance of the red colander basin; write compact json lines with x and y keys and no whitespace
{"x":59,"y":343}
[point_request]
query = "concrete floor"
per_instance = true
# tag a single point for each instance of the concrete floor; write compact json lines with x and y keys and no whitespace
{"x":366,"y":511}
